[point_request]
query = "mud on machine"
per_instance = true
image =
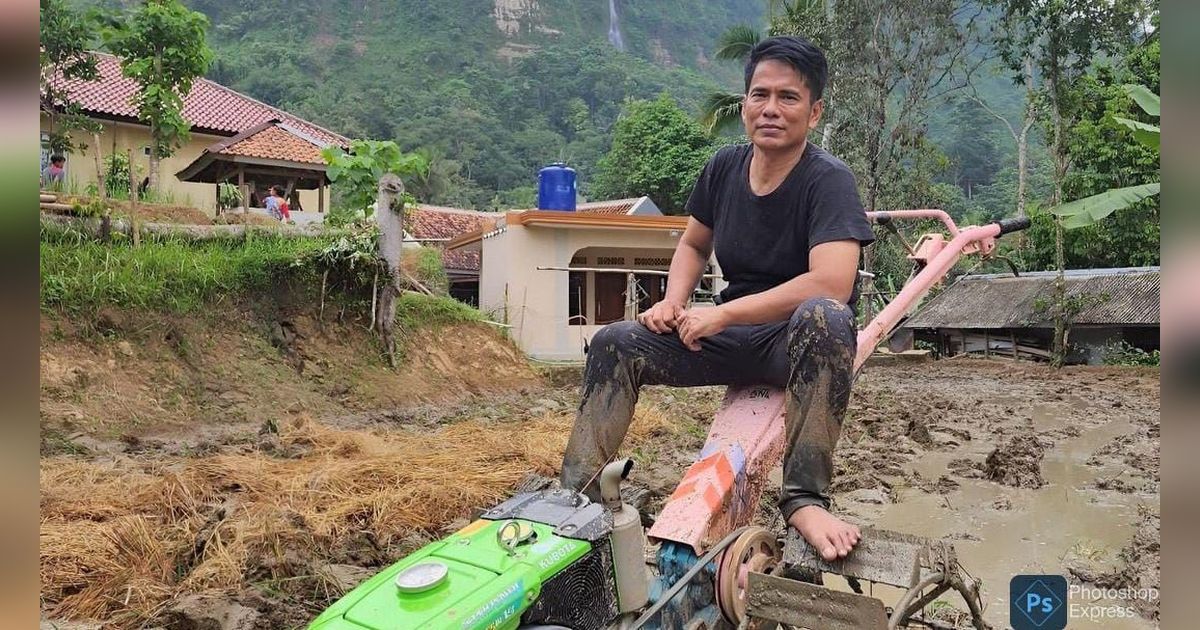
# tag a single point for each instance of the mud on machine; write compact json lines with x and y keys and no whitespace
{"x":554,"y":559}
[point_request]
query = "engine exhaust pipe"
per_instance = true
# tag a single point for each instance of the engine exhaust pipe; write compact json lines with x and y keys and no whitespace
{"x":628,"y":539}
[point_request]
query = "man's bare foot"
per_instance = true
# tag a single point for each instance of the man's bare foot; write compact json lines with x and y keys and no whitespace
{"x":832,"y":537}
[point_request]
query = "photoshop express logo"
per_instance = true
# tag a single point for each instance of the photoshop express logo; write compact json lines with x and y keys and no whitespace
{"x":1037,"y":602}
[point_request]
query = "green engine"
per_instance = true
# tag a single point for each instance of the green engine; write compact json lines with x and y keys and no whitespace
{"x":541,"y":558}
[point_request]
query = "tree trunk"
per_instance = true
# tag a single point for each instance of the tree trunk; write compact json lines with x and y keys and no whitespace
{"x":389,"y":215}
{"x":1022,"y":160}
{"x":152,"y":175}
{"x":133,"y":217}
{"x":1023,"y":138}
{"x":1059,"y":349}
{"x":101,"y":180}
{"x":155,"y":130}
{"x":1058,"y":354}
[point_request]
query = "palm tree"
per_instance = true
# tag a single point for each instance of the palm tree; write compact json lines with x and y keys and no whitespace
{"x":723,"y":110}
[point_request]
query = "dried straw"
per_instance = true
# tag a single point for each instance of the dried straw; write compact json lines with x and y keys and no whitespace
{"x":121,"y":538}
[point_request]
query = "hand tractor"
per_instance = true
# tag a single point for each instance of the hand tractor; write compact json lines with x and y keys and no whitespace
{"x":554,"y":559}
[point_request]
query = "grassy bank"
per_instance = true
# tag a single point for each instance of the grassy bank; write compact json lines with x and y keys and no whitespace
{"x":79,"y":274}
{"x":173,"y":275}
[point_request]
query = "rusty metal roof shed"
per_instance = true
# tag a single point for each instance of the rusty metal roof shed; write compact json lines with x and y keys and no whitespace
{"x":1116,"y":297}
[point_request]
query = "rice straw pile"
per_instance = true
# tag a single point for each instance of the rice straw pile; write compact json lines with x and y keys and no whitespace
{"x":120,"y":539}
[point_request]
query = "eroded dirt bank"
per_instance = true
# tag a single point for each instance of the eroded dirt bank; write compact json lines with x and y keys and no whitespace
{"x":246,"y":477}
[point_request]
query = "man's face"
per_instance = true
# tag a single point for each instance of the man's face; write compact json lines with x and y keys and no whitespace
{"x":778,"y":110}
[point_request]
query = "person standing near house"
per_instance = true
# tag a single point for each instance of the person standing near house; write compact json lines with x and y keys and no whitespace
{"x":277,"y":205}
{"x":788,"y":227}
{"x":55,"y":174}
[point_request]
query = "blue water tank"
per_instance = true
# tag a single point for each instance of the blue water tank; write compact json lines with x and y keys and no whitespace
{"x":556,"y":188}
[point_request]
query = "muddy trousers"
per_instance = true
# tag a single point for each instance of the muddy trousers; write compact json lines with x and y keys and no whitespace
{"x":811,"y":355}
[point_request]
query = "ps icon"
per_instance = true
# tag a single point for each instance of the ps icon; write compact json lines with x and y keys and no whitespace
{"x":1037,"y":602}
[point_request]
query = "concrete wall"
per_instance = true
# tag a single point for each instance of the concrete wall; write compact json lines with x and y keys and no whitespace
{"x":534,"y":302}
{"x":81,"y":166}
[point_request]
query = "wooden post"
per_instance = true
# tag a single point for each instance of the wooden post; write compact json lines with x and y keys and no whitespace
{"x":287,"y":194}
{"x":133,"y":195}
{"x":987,"y":343}
{"x":242,"y":188}
{"x":1013,"y":337}
{"x":321,"y":196}
{"x":631,"y":296}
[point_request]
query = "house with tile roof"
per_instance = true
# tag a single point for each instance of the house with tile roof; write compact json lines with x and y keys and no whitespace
{"x":557,"y":277}
{"x":234,"y":138}
{"x":435,"y":226}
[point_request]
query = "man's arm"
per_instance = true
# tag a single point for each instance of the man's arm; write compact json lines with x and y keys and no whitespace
{"x":832,"y":270}
{"x":687,"y":265}
{"x":689,"y":261}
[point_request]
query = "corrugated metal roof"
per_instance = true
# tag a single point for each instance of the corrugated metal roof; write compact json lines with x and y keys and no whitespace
{"x":1128,"y":296}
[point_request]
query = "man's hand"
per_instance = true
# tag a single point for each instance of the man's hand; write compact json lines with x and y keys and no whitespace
{"x":695,"y":324}
{"x":663,"y":317}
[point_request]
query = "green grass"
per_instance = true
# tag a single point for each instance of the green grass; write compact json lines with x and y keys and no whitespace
{"x":416,"y":311}
{"x":181,"y":276}
{"x":170,"y":275}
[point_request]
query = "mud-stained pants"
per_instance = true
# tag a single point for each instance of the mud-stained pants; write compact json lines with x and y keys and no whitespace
{"x":811,"y":354}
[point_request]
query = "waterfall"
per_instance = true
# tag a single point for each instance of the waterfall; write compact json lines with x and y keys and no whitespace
{"x":614,"y":27}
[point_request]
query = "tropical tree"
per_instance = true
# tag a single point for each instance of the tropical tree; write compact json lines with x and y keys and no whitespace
{"x":63,"y":52}
{"x":357,"y":173}
{"x":162,"y":47}
{"x":1087,"y":211}
{"x":658,"y":151}
{"x":1061,"y":38}
{"x":722,"y":111}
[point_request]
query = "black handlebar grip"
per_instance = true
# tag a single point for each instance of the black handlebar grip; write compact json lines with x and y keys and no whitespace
{"x":882,"y":218}
{"x":1012,"y":224}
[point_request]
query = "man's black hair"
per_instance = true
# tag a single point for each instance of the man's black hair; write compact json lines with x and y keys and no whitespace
{"x":797,"y":52}
{"x":57,"y":158}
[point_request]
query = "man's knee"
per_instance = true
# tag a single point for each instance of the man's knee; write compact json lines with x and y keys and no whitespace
{"x":614,"y":338}
{"x":823,"y":315}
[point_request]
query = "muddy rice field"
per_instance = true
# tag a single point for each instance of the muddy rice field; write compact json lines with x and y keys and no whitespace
{"x":260,"y":522}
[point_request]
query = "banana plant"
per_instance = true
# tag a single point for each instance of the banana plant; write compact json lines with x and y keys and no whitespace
{"x":1089,"y":210}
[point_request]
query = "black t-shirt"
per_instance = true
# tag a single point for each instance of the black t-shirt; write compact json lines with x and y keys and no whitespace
{"x":763,"y":241}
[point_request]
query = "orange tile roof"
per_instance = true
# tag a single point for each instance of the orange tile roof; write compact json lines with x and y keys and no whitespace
{"x":438,"y":222}
{"x":277,"y":143}
{"x":460,"y":260}
{"x":209,"y":106}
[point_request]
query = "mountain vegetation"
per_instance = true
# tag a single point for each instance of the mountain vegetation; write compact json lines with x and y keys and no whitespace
{"x":489,"y":91}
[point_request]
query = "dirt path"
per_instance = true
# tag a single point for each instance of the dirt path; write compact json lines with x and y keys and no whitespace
{"x":1027,"y":469}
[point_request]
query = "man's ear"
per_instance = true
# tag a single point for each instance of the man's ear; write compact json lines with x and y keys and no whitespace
{"x":818,"y":108}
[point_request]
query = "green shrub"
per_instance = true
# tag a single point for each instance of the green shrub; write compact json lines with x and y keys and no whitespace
{"x":1122,"y":353}
{"x":430,"y":271}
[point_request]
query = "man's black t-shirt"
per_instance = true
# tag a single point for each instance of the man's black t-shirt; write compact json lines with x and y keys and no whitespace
{"x":763,"y":241}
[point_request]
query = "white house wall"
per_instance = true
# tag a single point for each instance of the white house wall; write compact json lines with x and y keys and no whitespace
{"x":536,"y":303}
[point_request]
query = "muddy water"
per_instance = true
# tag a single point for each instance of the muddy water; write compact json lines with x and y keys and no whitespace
{"x":1039,"y":530}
